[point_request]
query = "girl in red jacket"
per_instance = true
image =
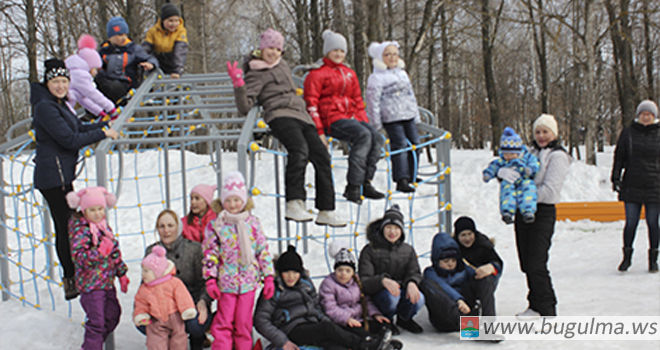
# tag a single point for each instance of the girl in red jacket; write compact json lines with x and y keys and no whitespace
{"x":200,"y":213}
{"x":334,"y":101}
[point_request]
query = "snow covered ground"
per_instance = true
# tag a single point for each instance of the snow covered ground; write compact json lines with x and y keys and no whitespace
{"x":583,"y":259}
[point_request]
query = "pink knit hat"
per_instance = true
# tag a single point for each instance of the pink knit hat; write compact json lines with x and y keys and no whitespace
{"x":89,"y":197}
{"x":206,"y":191}
{"x":271,"y":38}
{"x":234,"y":185}
{"x":87,"y":51}
{"x":156,"y":261}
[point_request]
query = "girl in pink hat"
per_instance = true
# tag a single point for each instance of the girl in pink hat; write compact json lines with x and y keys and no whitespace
{"x":200,"y":214}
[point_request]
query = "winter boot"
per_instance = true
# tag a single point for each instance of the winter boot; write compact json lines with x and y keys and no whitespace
{"x":352,"y":193}
{"x":653,"y":260}
{"x":528,"y":218}
{"x":295,"y":210}
{"x":403,"y":185}
{"x":329,"y":217}
{"x":370,"y":192}
{"x":396,"y":344}
{"x":70,"y":290}
{"x":409,"y":325}
{"x":627,"y":255}
{"x":508,"y":219}
{"x":197,"y":343}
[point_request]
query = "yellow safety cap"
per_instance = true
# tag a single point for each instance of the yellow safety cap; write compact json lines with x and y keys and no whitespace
{"x":254,"y":147}
{"x":261,"y":124}
{"x":256,"y":191}
{"x":299,"y":91}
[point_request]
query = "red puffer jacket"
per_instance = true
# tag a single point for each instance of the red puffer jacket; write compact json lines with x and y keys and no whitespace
{"x":334,"y":91}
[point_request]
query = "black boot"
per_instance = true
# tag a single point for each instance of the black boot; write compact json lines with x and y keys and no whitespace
{"x":197,"y":343}
{"x":403,"y":185}
{"x":352,"y":193}
{"x":627,"y":255}
{"x":653,"y":260}
{"x":409,"y":325}
{"x":369,"y":191}
{"x":70,"y":290}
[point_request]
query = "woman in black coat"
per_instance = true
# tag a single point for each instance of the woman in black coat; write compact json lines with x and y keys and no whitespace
{"x":59,"y":137}
{"x":638,"y":152}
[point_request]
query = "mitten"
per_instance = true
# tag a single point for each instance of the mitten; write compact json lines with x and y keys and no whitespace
{"x":114,"y":113}
{"x":269,"y":287}
{"x":528,"y":171}
{"x":102,"y":115}
{"x":123,"y":283}
{"x":212,"y":288}
{"x":236,"y":74}
{"x":105,"y":247}
{"x":486,"y":177}
{"x":508,"y":174}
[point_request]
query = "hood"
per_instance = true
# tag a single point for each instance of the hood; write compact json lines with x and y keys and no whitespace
{"x":479,"y":240}
{"x":443,"y":246}
{"x":76,"y":62}
{"x":39,"y":92}
{"x":376,"y":238}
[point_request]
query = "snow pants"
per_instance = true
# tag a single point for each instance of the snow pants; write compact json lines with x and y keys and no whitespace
{"x":167,"y":335}
{"x":366,"y":143}
{"x":232,"y":324}
{"x":325,"y":334}
{"x":102,"y":310}
{"x":520,"y":195}
{"x":404,"y":165}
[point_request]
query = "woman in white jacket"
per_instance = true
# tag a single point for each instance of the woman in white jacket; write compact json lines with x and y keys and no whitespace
{"x":391,"y":104}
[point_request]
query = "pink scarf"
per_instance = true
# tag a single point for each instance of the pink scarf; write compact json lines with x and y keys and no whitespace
{"x":244,"y":244}
{"x":102,"y":227}
{"x":259,"y":64}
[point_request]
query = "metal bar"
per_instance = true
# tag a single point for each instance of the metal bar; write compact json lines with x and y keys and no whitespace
{"x":4,"y":249}
{"x":182,"y":152}
{"x":221,"y":90}
{"x":446,"y":159}
{"x":201,"y":78}
{"x":14,"y":142}
{"x":184,"y":107}
{"x":176,"y":139}
{"x":187,"y":122}
{"x":245,"y":139}
{"x":18,"y":124}
{"x":278,"y":209}
{"x":166,"y":156}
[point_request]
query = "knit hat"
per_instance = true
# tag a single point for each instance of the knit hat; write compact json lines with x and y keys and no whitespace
{"x":339,"y":251}
{"x":87,"y":51}
{"x":393,"y":216}
{"x":547,"y":120}
{"x":289,"y":261}
{"x":647,"y":106}
{"x":116,"y":26}
{"x":271,"y":38}
{"x":464,"y":223}
{"x":90,"y":197}
{"x":234,"y":185}
{"x":156,"y":261}
{"x":510,"y":141}
{"x":206,"y":191}
{"x":376,"y":49}
{"x":333,"y":41}
{"x":55,"y":68}
{"x":168,"y":10}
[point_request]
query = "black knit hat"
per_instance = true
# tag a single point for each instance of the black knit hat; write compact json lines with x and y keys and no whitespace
{"x":392,"y":216}
{"x":54,"y":67}
{"x":464,"y":223}
{"x":168,"y":10}
{"x":289,"y":261}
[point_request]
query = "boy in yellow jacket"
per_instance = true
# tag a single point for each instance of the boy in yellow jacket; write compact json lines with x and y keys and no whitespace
{"x":167,"y":40}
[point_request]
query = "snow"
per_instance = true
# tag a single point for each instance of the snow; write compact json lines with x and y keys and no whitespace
{"x":583,"y":257}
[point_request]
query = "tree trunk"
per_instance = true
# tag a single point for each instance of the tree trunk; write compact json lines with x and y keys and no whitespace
{"x":375,"y":20}
{"x":103,"y":18}
{"x":61,"y":48}
{"x":648,"y":50}
{"x":589,"y":105}
{"x":359,"y":41}
{"x":538,"y":33}
{"x":31,"y":44}
{"x":340,"y":25}
{"x":315,"y":31}
{"x":300,"y":7}
{"x":489,"y":78}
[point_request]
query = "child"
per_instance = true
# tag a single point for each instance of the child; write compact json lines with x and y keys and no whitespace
{"x":163,"y":303}
{"x":516,"y":168}
{"x":390,"y":272}
{"x":97,"y":261}
{"x":451,"y":288}
{"x":391,"y":104}
{"x":121,"y":60}
{"x":200,"y":214}
{"x":168,"y":41}
{"x":334,"y":101}
{"x":477,"y":250}
{"x":268,"y":82}
{"x":235,"y":260}
{"x":83,"y":67}
{"x":292,"y":317}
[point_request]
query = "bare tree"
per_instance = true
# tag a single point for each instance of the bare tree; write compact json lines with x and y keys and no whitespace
{"x":488,"y":35}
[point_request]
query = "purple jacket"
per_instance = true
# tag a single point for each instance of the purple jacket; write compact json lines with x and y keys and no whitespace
{"x":342,"y":301}
{"x":83,"y":90}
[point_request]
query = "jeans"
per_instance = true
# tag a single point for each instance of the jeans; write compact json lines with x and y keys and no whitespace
{"x":366,"y":144}
{"x":60,"y":212}
{"x":404,"y":165}
{"x":390,"y":305}
{"x":633,"y":211}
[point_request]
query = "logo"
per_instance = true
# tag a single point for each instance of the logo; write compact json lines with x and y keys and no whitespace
{"x":469,"y":326}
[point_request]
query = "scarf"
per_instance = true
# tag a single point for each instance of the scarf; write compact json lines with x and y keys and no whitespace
{"x":246,"y":257}
{"x":259,"y":64}
{"x":102,"y":227}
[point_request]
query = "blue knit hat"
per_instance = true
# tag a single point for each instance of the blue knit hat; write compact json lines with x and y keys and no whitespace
{"x":510,"y":141}
{"x":116,"y":26}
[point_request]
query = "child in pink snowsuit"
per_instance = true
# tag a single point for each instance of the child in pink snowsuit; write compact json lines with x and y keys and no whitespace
{"x":200,"y":214}
{"x":235,"y":260}
{"x":97,"y":260}
{"x":162,"y":303}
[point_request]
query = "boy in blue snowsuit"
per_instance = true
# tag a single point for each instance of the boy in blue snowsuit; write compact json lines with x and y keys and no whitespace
{"x":515,"y":168}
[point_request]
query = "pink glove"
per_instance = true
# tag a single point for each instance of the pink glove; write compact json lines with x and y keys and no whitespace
{"x":236,"y":74}
{"x":123,"y":283}
{"x":269,"y":287}
{"x":212,"y":288}
{"x":105,"y":247}
{"x":114,"y":113}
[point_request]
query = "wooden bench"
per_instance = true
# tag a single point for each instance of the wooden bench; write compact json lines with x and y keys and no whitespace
{"x":596,"y":211}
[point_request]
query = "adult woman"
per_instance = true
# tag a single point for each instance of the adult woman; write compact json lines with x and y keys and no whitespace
{"x":59,"y":136}
{"x":533,"y":239}
{"x":638,"y":151}
{"x":187,"y":257}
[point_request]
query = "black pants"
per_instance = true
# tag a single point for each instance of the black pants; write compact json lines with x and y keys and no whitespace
{"x":375,"y":328}
{"x":533,"y":241}
{"x":113,"y":89}
{"x":303,"y":145}
{"x":60,"y":212}
{"x":326,"y":334}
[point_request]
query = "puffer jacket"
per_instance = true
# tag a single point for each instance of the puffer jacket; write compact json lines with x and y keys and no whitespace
{"x":380,"y":259}
{"x":83,"y":89}
{"x":170,"y":48}
{"x":638,"y":153}
{"x":121,"y":62}
{"x":525,"y":160}
{"x":59,"y":136}
{"x":554,"y":163}
{"x":342,"y":301}
{"x":333,"y":90}
{"x":273,"y":89}
{"x":195,"y":231}
{"x":390,"y":96}
{"x":93,"y":270}
{"x":452,"y":282}
{"x":289,"y":307}
{"x":162,"y":297}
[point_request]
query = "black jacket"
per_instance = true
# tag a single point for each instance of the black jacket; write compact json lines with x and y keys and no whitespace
{"x":638,"y":152}
{"x":481,"y":252}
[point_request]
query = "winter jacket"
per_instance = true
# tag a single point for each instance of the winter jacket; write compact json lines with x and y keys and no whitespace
{"x":289,"y":307}
{"x":170,"y":48}
{"x":271,"y":88}
{"x":59,"y":136}
{"x":390,"y":96}
{"x":121,"y":62}
{"x":551,"y":175}
{"x":527,"y":165}
{"x":638,"y":152}
{"x":380,"y":259}
{"x":481,"y":252}
{"x":342,"y":301}
{"x":333,"y":91}
{"x":195,"y":231}
{"x":83,"y":90}
{"x":93,"y":270}
{"x":162,"y":297}
{"x":187,"y":257}
{"x":221,"y":256}
{"x":452,"y":282}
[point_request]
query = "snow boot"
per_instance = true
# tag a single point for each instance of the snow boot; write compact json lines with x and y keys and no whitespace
{"x":70,"y":290}
{"x":627,"y":256}
{"x":653,"y":260}
{"x":295,"y":210}
{"x":370,"y":192}
{"x":507,"y":218}
{"x":409,"y":325}
{"x":352,"y":193}
{"x":329,"y":217}
{"x":528,"y":218}
{"x":403,"y":185}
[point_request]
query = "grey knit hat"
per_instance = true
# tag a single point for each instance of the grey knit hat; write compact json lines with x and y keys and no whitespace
{"x":393,"y":216}
{"x":333,"y":41}
{"x":647,"y":106}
